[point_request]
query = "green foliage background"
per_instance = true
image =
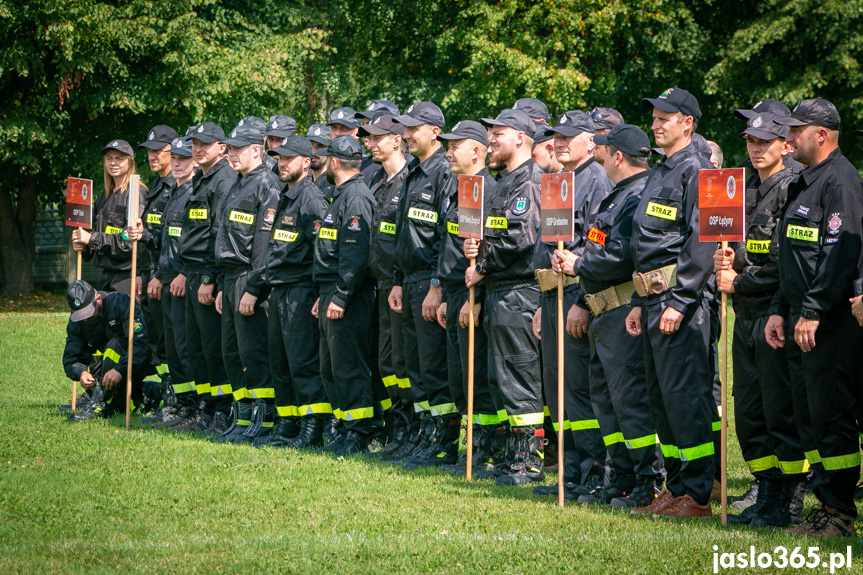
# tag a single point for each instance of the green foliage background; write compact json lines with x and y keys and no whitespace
{"x":75,"y":74}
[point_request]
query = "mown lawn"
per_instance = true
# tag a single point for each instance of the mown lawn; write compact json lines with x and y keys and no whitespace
{"x":95,"y":498}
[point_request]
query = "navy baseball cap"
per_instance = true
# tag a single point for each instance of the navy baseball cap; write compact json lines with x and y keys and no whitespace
{"x":539,"y":135}
{"x":467,"y":130}
{"x":293,"y":146}
{"x":345,"y":117}
{"x":534,"y":108}
{"x":281,"y":126}
{"x":764,"y":127}
{"x":675,"y":100}
{"x":208,"y":132}
{"x":319,"y":133}
{"x":512,"y":118}
{"x":343,"y":148}
{"x":245,"y":134}
{"x":81,"y":296}
{"x":121,"y":146}
{"x":159,"y":137}
{"x":605,"y":118}
{"x":627,"y":138}
{"x":571,"y":124}
{"x":254,"y":121}
{"x":381,"y":125}
{"x":378,"y":107}
{"x":182,"y":147}
{"x":422,"y":113}
{"x":774,"y":107}
{"x":817,"y":111}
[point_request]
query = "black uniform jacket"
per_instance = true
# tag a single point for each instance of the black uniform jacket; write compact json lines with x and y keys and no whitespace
{"x":386,"y":192}
{"x":342,"y":245}
{"x":84,"y":339}
{"x":107,"y":248}
{"x":157,"y":199}
{"x":665,"y":227}
{"x":170,"y":263}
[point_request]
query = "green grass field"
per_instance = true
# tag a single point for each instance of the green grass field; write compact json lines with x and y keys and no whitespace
{"x":95,"y":498}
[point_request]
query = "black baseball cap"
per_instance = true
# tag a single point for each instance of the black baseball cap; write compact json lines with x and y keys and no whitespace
{"x":182,"y":147}
{"x":774,"y":107}
{"x":159,"y":137}
{"x":293,"y":146}
{"x":254,"y":121}
{"x":764,"y":127}
{"x":571,"y":124}
{"x":208,"y":132}
{"x":81,"y":296}
{"x":378,"y":107}
{"x":383,"y":124}
{"x":675,"y":100}
{"x":701,"y":145}
{"x":627,"y":138}
{"x":245,"y":134}
{"x":343,"y":148}
{"x":534,"y":108}
{"x":281,"y":126}
{"x":319,"y":133}
{"x":467,"y":130}
{"x":539,"y":135}
{"x":422,"y":113}
{"x":121,"y":146}
{"x":605,"y":118}
{"x":512,"y":118}
{"x":817,"y":111}
{"x":345,"y":117}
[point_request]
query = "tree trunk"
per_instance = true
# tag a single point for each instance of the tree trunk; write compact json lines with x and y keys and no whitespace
{"x":18,"y":237}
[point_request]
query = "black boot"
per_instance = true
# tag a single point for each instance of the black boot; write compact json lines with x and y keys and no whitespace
{"x":483,"y":456}
{"x":311,"y":434}
{"x":768,"y":495}
{"x":281,"y":435}
{"x":444,"y":447}
{"x":262,"y":423}
{"x":243,"y":411}
{"x":776,"y":511}
{"x":219,"y":423}
{"x":797,"y":491}
{"x":398,"y":434}
{"x":198,"y":423}
{"x":619,"y":485}
{"x":80,"y":404}
{"x":504,"y":444}
{"x":97,"y":406}
{"x":352,"y":444}
{"x":331,"y":430}
{"x":641,"y":495}
{"x":420,"y":443}
{"x":336,"y":434}
{"x":406,"y":433}
{"x":527,"y":464}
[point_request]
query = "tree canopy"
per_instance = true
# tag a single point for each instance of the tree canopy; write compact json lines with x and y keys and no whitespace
{"x":74,"y":75}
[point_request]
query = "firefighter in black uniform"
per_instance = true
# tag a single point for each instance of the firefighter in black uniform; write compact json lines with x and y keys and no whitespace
{"x":763,"y":393}
{"x":618,"y":389}
{"x":319,"y":136}
{"x":279,"y":127}
{"x":293,"y":332}
{"x":346,"y":301}
{"x":504,"y":265}
{"x":820,"y":256}
{"x":467,"y":151}
{"x":584,"y":458}
{"x":158,"y":146}
{"x":416,"y":292}
{"x":108,"y":245}
{"x":210,"y":186}
{"x":171,"y":275}
{"x":385,"y":141}
{"x":246,"y":222}
{"x":96,"y":353}
{"x":672,"y":269}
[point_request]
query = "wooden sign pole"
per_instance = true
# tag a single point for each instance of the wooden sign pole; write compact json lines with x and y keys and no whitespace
{"x":470,"y":369}
{"x":724,"y":415}
{"x":74,"y":382}
{"x":560,"y":332}
{"x":133,"y":197}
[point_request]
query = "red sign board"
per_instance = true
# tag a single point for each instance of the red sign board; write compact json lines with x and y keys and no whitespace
{"x":470,"y":212}
{"x":721,"y":205}
{"x":556,"y":211}
{"x":79,"y":203}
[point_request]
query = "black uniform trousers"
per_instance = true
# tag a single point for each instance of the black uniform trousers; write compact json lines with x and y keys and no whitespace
{"x":515,"y":352}
{"x":244,"y":343}
{"x":174,"y":320}
{"x":584,"y":451}
{"x":832,"y":374}
{"x":391,"y":359}
{"x":380,"y":396}
{"x":203,"y":327}
{"x":763,"y":402}
{"x":680,"y":394}
{"x":344,"y":353}
{"x":151,"y":309}
{"x":425,"y":353}
{"x":293,"y":343}
{"x":618,"y":392}
{"x":458,"y":350}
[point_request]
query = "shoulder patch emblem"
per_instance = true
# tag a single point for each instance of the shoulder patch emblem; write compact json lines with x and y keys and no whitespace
{"x":520,"y":206}
{"x":137,"y":327}
{"x":270,"y":217}
{"x":834,"y":224}
{"x":355,"y":224}
{"x":317,"y":228}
